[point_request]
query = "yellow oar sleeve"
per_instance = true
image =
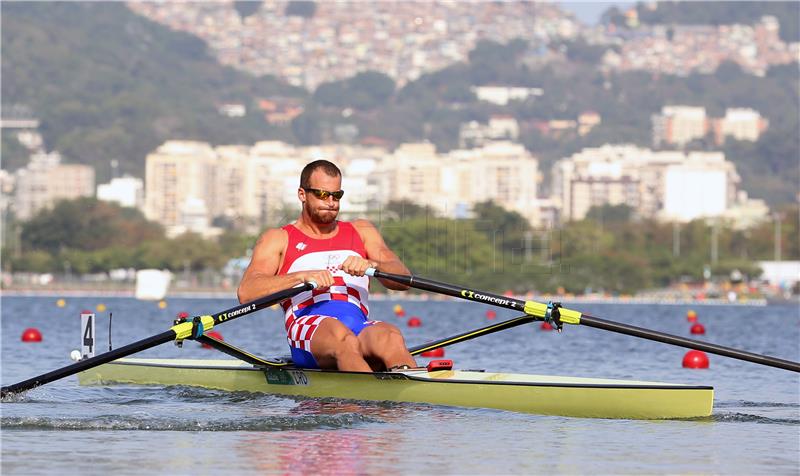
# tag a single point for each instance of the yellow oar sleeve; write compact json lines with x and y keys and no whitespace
{"x":184,"y":329}
{"x":539,"y":309}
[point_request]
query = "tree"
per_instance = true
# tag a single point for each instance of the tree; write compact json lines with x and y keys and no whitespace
{"x":301,"y":8}
{"x":86,"y":224}
{"x":363,"y":91}
{"x":246,"y":8}
{"x":610,"y":213}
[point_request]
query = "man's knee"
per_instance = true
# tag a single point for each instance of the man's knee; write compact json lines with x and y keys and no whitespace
{"x":347,"y":344}
{"x":386,"y":337}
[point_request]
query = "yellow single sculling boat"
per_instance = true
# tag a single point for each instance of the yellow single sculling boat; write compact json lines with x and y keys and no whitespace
{"x":540,"y":394}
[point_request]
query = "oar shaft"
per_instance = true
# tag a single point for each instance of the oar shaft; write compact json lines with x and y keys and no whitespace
{"x":166,"y":336}
{"x":536,"y":310}
{"x":626,"y":329}
{"x":86,"y":364}
{"x":451,"y":290}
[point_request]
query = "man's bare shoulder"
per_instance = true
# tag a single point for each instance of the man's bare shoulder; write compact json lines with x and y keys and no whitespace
{"x":362,"y":224}
{"x":273,"y":238}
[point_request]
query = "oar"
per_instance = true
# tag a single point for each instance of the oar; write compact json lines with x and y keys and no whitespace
{"x":465,"y":336}
{"x":184,"y":330}
{"x":558,"y":315}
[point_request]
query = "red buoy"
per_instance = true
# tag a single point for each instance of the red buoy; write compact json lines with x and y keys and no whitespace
{"x":546,"y":326}
{"x":490,"y":314}
{"x":697,"y":328}
{"x":213,"y":334}
{"x":434,"y":353}
{"x":183,"y":315}
{"x":691,"y":316}
{"x":695,"y":359}
{"x":31,"y":334}
{"x":400,"y":313}
{"x":414,"y":321}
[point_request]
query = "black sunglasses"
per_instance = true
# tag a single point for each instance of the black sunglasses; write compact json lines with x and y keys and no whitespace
{"x":324,"y":194}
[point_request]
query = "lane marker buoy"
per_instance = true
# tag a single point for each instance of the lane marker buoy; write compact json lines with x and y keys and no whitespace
{"x":695,"y":359}
{"x":31,"y":334}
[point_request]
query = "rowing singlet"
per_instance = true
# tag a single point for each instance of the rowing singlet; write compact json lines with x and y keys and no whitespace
{"x":346,"y":300}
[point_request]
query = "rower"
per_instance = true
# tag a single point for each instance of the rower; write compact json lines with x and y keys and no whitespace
{"x":328,"y":327}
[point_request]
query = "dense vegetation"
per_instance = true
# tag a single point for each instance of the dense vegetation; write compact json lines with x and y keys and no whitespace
{"x":107,"y":83}
{"x":496,"y":250}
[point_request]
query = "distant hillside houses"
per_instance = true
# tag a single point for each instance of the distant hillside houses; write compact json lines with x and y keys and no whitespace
{"x":503,"y":95}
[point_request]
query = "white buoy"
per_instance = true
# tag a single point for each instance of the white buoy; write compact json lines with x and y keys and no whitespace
{"x":75,"y":355}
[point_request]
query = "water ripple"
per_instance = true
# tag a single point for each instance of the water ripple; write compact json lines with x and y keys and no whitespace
{"x":744,"y":403}
{"x":737,"y":417}
{"x":131,"y":422}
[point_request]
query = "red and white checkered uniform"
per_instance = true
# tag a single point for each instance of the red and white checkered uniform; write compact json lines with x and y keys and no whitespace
{"x":304,"y":253}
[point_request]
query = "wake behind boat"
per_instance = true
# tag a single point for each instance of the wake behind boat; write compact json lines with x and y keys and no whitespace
{"x":539,"y":394}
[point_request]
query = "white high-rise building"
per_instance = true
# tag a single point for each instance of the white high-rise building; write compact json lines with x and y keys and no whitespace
{"x":126,"y":191}
{"x":180,"y":178}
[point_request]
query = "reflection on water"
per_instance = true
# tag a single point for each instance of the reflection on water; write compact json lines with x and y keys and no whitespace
{"x":328,"y":451}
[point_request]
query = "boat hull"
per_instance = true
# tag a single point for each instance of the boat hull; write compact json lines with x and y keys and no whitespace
{"x":544,"y":395}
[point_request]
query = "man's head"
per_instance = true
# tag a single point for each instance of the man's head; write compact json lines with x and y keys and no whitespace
{"x":320,"y":191}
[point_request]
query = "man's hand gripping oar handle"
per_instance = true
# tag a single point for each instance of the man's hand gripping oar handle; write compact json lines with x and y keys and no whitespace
{"x":568,"y":316}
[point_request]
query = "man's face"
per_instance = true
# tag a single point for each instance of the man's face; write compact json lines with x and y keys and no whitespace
{"x":321,"y":211}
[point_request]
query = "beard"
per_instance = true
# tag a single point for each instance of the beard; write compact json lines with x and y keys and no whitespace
{"x":323,"y":215}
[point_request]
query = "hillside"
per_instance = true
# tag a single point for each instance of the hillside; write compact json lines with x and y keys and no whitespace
{"x":107,"y":83}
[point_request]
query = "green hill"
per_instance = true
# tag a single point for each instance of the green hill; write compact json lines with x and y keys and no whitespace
{"x":107,"y":83}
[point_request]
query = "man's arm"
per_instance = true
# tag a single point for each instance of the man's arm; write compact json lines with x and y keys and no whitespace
{"x":379,"y":253}
{"x":260,"y":278}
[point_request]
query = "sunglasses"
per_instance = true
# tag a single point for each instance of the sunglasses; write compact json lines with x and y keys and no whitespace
{"x":324,"y":194}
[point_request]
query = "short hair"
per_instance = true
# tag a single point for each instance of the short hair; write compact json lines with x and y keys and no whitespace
{"x":328,"y":167}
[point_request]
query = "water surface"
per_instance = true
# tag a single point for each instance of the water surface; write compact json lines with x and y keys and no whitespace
{"x":62,"y":427}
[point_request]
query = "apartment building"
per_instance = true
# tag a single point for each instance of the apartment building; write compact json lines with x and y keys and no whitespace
{"x":180,"y":178}
{"x":743,"y":124}
{"x":451,"y":184}
{"x":500,"y":127}
{"x":679,"y":125}
{"x":190,"y":184}
{"x":668,"y":185}
{"x":45,"y":180}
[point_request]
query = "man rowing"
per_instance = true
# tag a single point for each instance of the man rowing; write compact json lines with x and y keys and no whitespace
{"x":328,"y":327}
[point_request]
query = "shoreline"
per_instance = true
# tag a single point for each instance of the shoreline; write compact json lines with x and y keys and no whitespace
{"x":222,"y":294}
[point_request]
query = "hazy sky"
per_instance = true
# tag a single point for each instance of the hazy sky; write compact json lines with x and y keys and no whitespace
{"x":589,"y":12}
